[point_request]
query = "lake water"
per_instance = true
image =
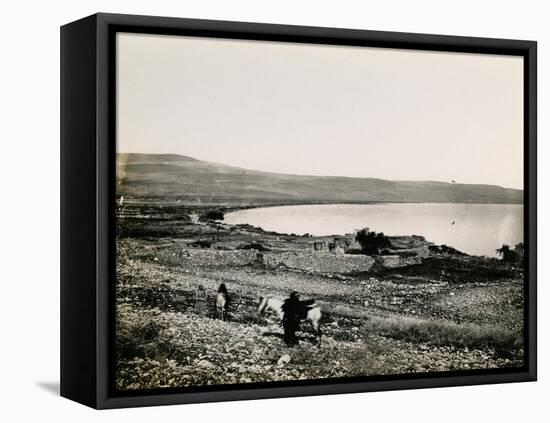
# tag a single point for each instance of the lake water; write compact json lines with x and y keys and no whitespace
{"x":478,"y":229}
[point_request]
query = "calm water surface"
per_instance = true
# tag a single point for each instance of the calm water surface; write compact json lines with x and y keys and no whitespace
{"x":478,"y":229}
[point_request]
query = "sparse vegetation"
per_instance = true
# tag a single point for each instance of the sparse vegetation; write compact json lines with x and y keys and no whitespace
{"x":201,"y":243}
{"x":253,"y":246}
{"x":510,"y":255}
{"x":138,"y":337}
{"x":505,"y":342}
{"x":458,"y":270}
{"x":372,"y":242}
{"x":212,"y":216}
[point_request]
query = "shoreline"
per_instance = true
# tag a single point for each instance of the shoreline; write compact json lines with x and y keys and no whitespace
{"x":178,"y":211}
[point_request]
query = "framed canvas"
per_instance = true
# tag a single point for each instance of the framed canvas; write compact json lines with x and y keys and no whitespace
{"x":257,"y":211}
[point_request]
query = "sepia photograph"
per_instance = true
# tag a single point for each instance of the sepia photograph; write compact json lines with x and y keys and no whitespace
{"x":294,"y":212}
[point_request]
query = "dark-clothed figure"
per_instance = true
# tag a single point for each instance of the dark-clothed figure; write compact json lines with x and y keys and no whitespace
{"x":222,"y":289}
{"x":294,"y":311}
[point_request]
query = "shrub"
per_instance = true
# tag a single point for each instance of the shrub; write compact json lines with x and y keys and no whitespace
{"x":202,"y":243}
{"x":372,"y":242}
{"x":212,"y":215}
{"x":253,"y":246}
{"x":510,"y":255}
{"x":137,"y":338}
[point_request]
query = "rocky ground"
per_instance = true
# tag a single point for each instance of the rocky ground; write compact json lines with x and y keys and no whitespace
{"x":448,"y":312}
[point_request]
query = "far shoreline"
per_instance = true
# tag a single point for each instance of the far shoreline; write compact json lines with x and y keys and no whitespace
{"x":441,"y":237}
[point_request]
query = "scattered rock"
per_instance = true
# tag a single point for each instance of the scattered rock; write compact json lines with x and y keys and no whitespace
{"x":205,"y":364}
{"x":285,"y":359}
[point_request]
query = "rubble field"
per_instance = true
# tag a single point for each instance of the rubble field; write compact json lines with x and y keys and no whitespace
{"x":427,"y":309}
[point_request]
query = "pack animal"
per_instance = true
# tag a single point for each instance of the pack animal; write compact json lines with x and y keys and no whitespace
{"x":311,"y":312}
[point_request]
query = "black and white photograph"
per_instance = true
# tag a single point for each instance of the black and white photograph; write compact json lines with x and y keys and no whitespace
{"x":295,"y":212}
{"x":275,"y":212}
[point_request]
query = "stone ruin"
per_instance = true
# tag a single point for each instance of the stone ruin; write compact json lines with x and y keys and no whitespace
{"x":337,"y":244}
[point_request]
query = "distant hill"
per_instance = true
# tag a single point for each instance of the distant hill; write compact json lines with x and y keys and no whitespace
{"x":152,"y":158}
{"x":175,"y":176}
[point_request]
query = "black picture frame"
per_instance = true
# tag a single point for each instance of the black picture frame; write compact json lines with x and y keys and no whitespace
{"x":87,"y":206}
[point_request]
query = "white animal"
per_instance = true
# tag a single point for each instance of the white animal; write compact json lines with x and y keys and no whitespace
{"x":221,"y":304}
{"x":313,"y":315}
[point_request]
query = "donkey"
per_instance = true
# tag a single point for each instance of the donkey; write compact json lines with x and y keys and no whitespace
{"x":313,"y":315}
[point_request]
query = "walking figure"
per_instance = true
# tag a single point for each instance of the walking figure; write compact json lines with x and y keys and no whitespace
{"x":294,"y":311}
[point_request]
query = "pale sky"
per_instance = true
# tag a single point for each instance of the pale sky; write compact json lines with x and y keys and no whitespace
{"x":323,"y":110}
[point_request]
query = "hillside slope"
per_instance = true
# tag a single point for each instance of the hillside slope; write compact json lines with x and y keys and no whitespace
{"x":174,"y":176}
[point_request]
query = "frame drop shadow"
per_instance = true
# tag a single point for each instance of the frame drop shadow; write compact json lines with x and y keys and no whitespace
{"x":51,"y":387}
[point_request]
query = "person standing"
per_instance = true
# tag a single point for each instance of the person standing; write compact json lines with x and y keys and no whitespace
{"x":291,"y":318}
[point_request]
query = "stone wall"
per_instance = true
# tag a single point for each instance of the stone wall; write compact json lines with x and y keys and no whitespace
{"x":419,"y":252}
{"x":398,"y":261}
{"x":408,"y":241}
{"x":320,"y":261}
{"x":207,"y":257}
